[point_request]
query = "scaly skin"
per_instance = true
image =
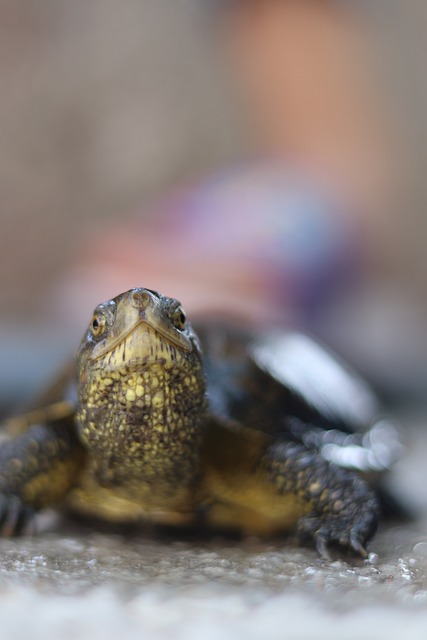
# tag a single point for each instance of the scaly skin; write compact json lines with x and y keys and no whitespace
{"x":141,"y":445}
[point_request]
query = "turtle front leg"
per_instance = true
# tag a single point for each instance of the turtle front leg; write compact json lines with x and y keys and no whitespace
{"x":343,"y":510}
{"x":37,"y":469}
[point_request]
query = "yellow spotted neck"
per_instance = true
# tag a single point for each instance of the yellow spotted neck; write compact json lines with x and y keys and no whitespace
{"x":142,"y":422}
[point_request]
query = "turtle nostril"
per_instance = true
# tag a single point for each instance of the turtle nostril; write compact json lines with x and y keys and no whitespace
{"x":141,"y":298}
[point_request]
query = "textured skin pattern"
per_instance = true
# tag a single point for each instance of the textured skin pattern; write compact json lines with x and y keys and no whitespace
{"x":143,"y":423}
{"x":343,"y":510}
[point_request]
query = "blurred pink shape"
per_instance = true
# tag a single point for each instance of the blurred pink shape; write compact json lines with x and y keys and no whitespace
{"x":257,"y":243}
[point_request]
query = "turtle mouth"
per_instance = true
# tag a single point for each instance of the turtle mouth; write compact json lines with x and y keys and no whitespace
{"x":143,"y":341}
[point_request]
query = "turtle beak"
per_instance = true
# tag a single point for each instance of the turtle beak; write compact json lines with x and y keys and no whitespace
{"x":153,"y":312}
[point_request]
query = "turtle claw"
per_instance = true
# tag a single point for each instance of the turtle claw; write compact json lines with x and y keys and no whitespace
{"x":332,"y":531}
{"x":322,"y":548}
{"x":358,"y":548}
{"x":15,"y":517}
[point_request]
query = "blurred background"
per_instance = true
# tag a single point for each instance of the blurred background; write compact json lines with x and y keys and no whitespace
{"x":260,"y":158}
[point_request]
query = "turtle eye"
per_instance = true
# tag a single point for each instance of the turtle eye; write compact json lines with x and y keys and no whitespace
{"x":179,"y":319}
{"x":98,"y":325}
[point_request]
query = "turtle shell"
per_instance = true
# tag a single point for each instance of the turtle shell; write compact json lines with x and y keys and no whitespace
{"x":289,"y":386}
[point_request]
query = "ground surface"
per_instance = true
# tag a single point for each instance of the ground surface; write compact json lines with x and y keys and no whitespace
{"x":75,"y":583}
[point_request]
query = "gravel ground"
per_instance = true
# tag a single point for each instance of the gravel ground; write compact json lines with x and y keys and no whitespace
{"x":76,"y":583}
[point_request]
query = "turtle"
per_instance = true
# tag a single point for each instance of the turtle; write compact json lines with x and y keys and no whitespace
{"x":258,"y":433}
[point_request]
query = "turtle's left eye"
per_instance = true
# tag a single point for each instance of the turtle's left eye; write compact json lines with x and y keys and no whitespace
{"x":179,"y":319}
{"x":98,"y":325}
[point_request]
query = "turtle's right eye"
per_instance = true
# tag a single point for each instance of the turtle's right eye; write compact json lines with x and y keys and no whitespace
{"x":98,"y":325}
{"x":179,"y":318}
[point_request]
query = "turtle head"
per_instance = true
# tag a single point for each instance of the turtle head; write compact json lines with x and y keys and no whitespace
{"x":141,"y":387}
{"x":136,"y":327}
